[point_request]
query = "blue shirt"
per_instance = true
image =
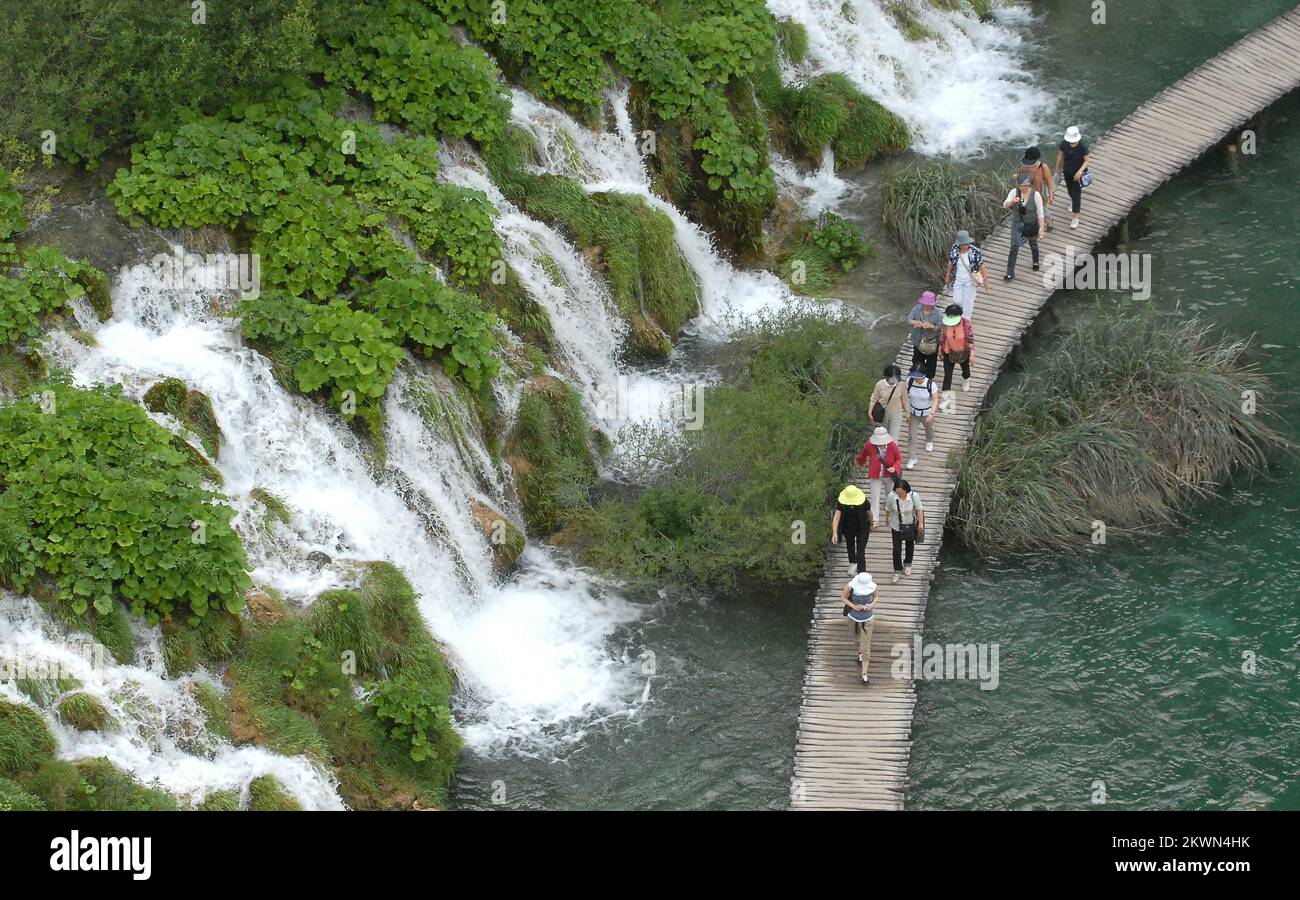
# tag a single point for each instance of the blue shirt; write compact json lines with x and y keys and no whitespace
{"x":861,"y":600}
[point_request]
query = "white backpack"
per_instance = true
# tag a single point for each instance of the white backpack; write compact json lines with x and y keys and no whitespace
{"x":919,"y":397}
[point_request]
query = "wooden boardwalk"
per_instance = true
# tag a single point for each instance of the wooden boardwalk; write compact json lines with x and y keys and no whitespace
{"x":854,"y":741}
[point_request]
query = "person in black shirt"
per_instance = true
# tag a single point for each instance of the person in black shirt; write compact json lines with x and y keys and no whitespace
{"x":852,"y":521}
{"x":1072,"y":162}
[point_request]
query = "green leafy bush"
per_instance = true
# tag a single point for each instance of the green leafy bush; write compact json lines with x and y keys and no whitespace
{"x":549,"y":452}
{"x":418,"y":75}
{"x":415,"y":716}
{"x":96,"y":498}
{"x":40,"y":284}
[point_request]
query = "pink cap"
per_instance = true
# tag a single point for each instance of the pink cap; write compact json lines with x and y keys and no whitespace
{"x":927,"y":298}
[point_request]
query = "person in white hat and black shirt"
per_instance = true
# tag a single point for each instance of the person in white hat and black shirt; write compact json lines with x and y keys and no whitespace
{"x":1072,"y":163}
{"x":860,"y":596}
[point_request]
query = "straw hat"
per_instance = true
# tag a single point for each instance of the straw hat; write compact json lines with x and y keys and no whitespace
{"x":880,"y":437}
{"x":863,"y":584}
{"x":852,"y":496}
{"x":1072,"y":134}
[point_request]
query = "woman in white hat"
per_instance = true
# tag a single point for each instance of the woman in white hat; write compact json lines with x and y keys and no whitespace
{"x":966,"y":271}
{"x":884,"y":460}
{"x":1072,"y":163}
{"x":860,"y":596}
{"x":852,"y":521}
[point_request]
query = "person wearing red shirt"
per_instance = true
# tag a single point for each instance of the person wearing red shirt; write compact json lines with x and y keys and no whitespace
{"x":883,"y":460}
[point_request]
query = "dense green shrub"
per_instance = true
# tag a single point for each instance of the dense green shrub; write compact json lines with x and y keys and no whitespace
{"x":415,"y":716}
{"x":95,"y":784}
{"x":25,"y":739}
{"x":14,"y":799}
{"x":1078,"y":439}
{"x":830,"y":111}
{"x":418,"y":75}
{"x":100,"y":75}
{"x":797,"y":414}
{"x":822,"y":250}
{"x":39,"y":284}
{"x":926,"y":204}
{"x":549,"y":452}
{"x":96,"y":498}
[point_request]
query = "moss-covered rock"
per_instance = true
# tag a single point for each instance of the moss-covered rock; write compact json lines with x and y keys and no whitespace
{"x":185,"y":647}
{"x":13,"y":798}
{"x":25,"y":740}
{"x":83,"y":712}
{"x":549,"y":451}
{"x":44,"y":691}
{"x":505,"y":537}
{"x":192,"y":408}
{"x":519,"y":310}
{"x":220,"y":801}
{"x":95,"y":283}
{"x":265,"y":607}
{"x":216,"y":710}
{"x":265,"y":794}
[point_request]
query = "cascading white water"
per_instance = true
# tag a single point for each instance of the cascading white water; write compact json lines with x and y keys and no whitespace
{"x":535,"y":656}
{"x":158,"y":733}
{"x":960,"y":91}
{"x":611,"y":161}
{"x":817,"y":190}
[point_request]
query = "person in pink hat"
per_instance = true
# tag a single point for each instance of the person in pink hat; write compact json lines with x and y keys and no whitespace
{"x":927,"y":327}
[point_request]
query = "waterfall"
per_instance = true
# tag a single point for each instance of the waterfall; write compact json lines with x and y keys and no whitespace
{"x":159,"y":734}
{"x":535,"y":656}
{"x":960,"y":91}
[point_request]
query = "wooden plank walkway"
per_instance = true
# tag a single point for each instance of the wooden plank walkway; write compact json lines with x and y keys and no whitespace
{"x":854,"y":741}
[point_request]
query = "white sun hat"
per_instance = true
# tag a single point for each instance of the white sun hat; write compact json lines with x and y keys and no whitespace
{"x":1072,"y":134}
{"x":863,"y":584}
{"x":880,"y":437}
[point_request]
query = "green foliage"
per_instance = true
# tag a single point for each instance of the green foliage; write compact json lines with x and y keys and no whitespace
{"x":418,"y":75}
{"x":415,"y":716}
{"x":14,"y":799}
{"x":25,"y":739}
{"x":839,"y":240}
{"x":778,"y":440}
{"x":83,"y":712}
{"x":220,"y":801}
{"x":265,"y":794}
{"x":95,"y":784}
{"x":550,"y":454}
{"x":100,"y":75}
{"x":40,"y":284}
{"x":1078,"y":438}
{"x":830,"y":110}
{"x":216,"y":710}
{"x":926,"y":204}
{"x":96,"y":498}
{"x":792,"y":38}
{"x":821,"y":251}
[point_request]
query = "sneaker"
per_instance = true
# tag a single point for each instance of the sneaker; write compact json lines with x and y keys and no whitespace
{"x":907,"y":570}
{"x":911,"y":463}
{"x":929,"y":446}
{"x":866,"y":679}
{"x":897,"y":576}
{"x":965,"y":384}
{"x":1074,"y":223}
{"x":1008,"y":278}
{"x":1035,"y":267}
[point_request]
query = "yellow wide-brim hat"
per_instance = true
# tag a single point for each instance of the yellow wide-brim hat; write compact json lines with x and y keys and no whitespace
{"x":852,"y":496}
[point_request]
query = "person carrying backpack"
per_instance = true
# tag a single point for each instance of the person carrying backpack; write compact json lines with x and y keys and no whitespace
{"x":883,"y":460}
{"x":1040,"y":177}
{"x":851,"y":522}
{"x":956,"y":346}
{"x":860,"y":596}
{"x":921,"y":395}
{"x":1027,"y":213}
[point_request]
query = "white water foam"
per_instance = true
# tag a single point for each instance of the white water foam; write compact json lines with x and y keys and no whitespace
{"x":960,"y":92}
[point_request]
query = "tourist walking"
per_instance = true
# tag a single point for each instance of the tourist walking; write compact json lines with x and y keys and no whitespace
{"x":926,"y":321}
{"x":906,"y":518}
{"x":860,"y":596}
{"x":883,"y":459}
{"x":887,"y":401}
{"x":1040,"y":175}
{"x":956,"y":346}
{"x":921,"y":396}
{"x":966,"y":272}
{"x":1026,"y":206}
{"x":852,"y":523}
{"x":1072,"y":163}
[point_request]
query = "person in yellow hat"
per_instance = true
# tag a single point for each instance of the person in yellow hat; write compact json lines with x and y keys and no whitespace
{"x":852,"y":522}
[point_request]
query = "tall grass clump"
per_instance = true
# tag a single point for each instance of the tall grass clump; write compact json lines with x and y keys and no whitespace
{"x":830,"y":110}
{"x":776,"y":440}
{"x":1125,"y":419}
{"x":925,"y":204}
